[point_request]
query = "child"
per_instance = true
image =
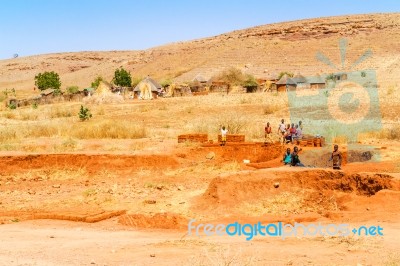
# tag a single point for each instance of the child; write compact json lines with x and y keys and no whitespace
{"x":299,"y":132}
{"x":336,"y":156}
{"x":268,"y":131}
{"x":287,"y":157}
{"x":282,"y":130}
{"x":295,"y":158}
{"x":287,"y":137}
{"x":292,"y":132}
{"x":223,"y":135}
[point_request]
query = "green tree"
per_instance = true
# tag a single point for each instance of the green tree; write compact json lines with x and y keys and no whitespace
{"x":48,"y":80}
{"x":122,"y":78}
{"x":250,"y":82}
{"x":95,"y":84}
{"x":232,"y":76}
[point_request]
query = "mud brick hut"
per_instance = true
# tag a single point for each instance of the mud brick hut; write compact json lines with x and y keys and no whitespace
{"x":198,"y":84}
{"x":268,"y":83}
{"x":286,"y":84}
{"x":218,"y":85}
{"x":316,"y":82}
{"x":301,"y":82}
{"x":147,"y":89}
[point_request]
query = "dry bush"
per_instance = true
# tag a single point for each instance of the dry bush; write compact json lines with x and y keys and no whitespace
{"x":7,"y":134}
{"x":57,"y":112}
{"x":104,"y":99}
{"x":271,"y":109}
{"x":391,"y":133}
{"x":107,"y":129}
{"x":234,"y":122}
{"x":41,"y":130}
{"x":9,"y":115}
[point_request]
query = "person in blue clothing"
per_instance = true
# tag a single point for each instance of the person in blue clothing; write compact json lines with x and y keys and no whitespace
{"x":287,"y":157}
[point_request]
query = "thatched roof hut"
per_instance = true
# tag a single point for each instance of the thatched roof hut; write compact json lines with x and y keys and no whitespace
{"x":286,"y":83}
{"x":148,"y":88}
{"x":316,"y":82}
{"x":104,"y":88}
{"x":199,"y":78}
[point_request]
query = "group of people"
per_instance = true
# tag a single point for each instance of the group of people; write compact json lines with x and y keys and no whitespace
{"x":289,"y":133}
{"x":292,"y":158}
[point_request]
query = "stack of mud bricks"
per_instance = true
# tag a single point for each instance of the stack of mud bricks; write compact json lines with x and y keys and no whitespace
{"x":193,"y":138}
{"x":311,"y":142}
{"x":232,"y":138}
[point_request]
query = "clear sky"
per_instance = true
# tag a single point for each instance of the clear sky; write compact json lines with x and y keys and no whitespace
{"x":29,"y":27}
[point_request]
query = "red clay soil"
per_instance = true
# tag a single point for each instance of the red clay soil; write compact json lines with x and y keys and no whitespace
{"x":223,"y":191}
{"x":92,"y":163}
{"x":159,"y":220}
{"x":255,"y":152}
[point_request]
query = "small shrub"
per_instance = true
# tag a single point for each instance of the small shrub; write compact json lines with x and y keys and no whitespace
{"x":84,"y":113}
{"x":35,"y":106}
{"x":72,"y":89}
{"x":270,"y":109}
{"x":96,"y":82}
{"x":12,"y":106}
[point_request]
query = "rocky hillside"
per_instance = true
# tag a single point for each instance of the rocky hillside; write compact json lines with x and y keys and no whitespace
{"x":262,"y":51}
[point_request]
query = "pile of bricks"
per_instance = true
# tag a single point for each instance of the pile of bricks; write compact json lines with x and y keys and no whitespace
{"x":193,"y":138}
{"x":232,"y":138}
{"x":311,"y":142}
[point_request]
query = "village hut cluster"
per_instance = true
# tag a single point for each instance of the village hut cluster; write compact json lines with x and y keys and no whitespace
{"x":148,"y":89}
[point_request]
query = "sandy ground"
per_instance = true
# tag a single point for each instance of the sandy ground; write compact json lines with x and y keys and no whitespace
{"x":47,"y":242}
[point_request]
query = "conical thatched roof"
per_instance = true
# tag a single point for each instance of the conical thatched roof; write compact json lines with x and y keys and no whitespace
{"x":199,"y":78}
{"x":316,"y":80}
{"x":104,"y":88}
{"x":154,"y":86}
{"x":299,"y":79}
{"x":286,"y":80}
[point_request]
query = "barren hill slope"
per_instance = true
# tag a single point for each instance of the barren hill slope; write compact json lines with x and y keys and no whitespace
{"x":263,"y":51}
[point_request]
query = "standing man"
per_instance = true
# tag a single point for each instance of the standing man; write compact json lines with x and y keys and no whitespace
{"x":336,"y":156}
{"x":268,"y":131}
{"x":224,"y":132}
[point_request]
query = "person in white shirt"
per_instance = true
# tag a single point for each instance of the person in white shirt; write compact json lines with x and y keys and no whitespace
{"x":299,"y":132}
{"x":282,"y":130}
{"x":224,"y":132}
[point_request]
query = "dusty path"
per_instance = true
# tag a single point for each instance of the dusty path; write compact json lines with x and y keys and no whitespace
{"x":47,"y":242}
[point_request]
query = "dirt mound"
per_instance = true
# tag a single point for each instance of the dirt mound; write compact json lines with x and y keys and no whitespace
{"x":75,"y":215}
{"x":159,"y":220}
{"x":92,"y":163}
{"x":255,"y":152}
{"x":234,"y":189}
